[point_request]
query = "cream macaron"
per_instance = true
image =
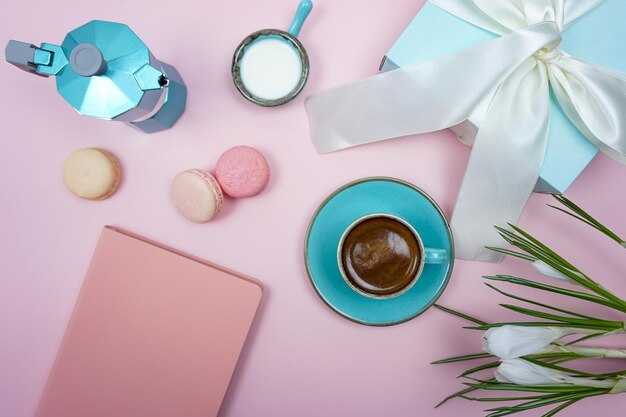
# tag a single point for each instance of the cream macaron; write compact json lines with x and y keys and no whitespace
{"x":91,"y":173}
{"x":197,"y":195}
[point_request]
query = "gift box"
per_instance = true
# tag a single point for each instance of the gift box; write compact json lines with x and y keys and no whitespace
{"x":597,"y":37}
{"x":495,"y":92}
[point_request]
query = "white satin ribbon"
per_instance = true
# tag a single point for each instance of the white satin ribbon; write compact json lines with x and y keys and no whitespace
{"x":509,"y":149}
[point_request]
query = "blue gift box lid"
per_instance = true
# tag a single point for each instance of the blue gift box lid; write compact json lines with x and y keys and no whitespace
{"x":597,"y":37}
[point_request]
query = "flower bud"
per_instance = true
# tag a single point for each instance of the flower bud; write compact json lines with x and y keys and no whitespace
{"x":545,"y":269}
{"x":521,"y":372}
{"x":509,"y":342}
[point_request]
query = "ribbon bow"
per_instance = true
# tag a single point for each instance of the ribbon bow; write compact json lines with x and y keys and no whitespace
{"x":507,"y":156}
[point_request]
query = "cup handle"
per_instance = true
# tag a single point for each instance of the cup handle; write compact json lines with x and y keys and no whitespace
{"x":435,"y":256}
{"x":304,"y":8}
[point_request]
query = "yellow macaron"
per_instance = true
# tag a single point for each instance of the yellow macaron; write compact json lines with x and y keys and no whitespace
{"x":91,"y":173}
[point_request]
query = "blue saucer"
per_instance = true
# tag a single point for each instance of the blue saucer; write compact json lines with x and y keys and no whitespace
{"x":357,"y":199}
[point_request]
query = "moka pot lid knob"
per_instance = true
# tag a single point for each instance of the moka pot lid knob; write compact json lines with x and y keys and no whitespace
{"x":87,"y":60}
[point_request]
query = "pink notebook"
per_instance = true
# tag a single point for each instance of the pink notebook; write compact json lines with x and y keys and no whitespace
{"x":154,"y":334}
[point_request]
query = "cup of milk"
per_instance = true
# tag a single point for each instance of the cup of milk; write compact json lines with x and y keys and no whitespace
{"x":270,"y":67}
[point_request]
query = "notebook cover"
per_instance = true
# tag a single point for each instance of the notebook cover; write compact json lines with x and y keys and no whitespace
{"x":154,"y":333}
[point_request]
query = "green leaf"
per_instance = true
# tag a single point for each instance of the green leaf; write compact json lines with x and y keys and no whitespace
{"x":512,"y":253}
{"x":524,"y":244}
{"x":520,"y":243}
{"x":585,"y":337}
{"x":574,"y":216}
{"x":560,"y":408}
{"x":461,"y":315}
{"x":536,"y":324}
{"x":549,"y":401}
{"x":557,"y":290}
{"x":543,"y":247}
{"x":562,"y":360}
{"x":609,"y":325}
{"x":586,"y":281}
{"x":555,"y":261}
{"x":613,"y":374}
{"x":526,"y":388}
{"x":482,"y":381}
{"x":463,"y":358}
{"x":515,"y":297}
{"x":501,"y":413}
{"x":556,"y":356}
{"x":585,"y":217}
{"x":499,"y":399}
{"x":479,"y":368}
{"x":456,"y":394}
{"x":541,"y":251}
{"x":536,"y":248}
{"x":560,"y":368}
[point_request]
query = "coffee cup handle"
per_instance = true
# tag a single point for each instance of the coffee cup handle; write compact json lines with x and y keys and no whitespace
{"x":435,"y":256}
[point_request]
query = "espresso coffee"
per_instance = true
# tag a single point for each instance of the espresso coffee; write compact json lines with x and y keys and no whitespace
{"x":381,"y":256}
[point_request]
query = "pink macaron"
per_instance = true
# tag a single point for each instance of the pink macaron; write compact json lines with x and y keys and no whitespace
{"x":242,"y":171}
{"x":197,"y":195}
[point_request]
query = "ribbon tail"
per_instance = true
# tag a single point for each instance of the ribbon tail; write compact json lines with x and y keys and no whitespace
{"x":430,"y":96}
{"x":504,"y":164}
{"x":594,"y":99}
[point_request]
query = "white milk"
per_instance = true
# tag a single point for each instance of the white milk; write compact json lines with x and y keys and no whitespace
{"x":270,"y":68}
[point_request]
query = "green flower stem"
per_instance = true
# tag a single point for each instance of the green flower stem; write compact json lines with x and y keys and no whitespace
{"x":620,"y":387}
{"x":587,"y":352}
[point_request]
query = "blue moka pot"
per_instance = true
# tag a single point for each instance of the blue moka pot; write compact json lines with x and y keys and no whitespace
{"x":104,"y":70}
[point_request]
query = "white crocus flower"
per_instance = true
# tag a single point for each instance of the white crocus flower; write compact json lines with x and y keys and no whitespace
{"x":521,"y":372}
{"x":545,"y":269}
{"x":509,"y":342}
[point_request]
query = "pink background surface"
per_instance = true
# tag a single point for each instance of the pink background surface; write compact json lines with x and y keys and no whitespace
{"x":300,"y":359}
